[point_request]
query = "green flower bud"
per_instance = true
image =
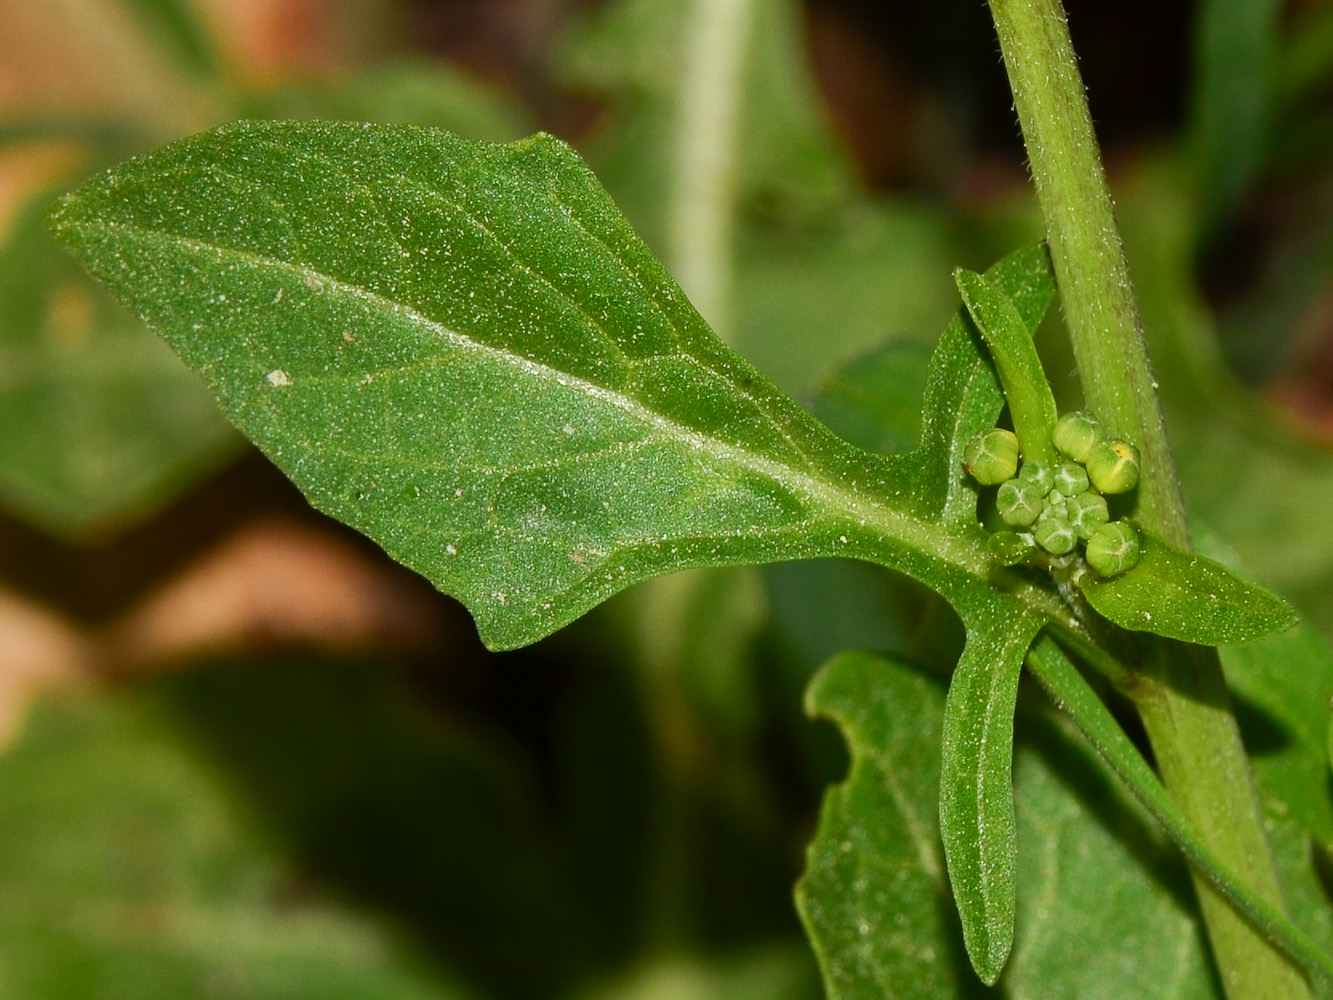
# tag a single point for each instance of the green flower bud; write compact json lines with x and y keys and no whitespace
{"x":1076,"y":434}
{"x":1113,"y":467}
{"x":1009,"y":548}
{"x":1070,"y":479}
{"x":1056,"y":504}
{"x":1054,"y":534}
{"x":1087,"y":512}
{"x":1114,"y":548}
{"x":1039,"y":474}
{"x":1019,"y":503}
{"x":992,"y":457}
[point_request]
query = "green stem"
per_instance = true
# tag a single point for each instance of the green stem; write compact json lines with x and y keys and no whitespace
{"x":1071,"y":692}
{"x":1181,"y":695}
{"x":703,"y":210}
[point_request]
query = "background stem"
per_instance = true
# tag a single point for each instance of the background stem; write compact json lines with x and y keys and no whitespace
{"x":1180,"y":691}
{"x":703,"y":211}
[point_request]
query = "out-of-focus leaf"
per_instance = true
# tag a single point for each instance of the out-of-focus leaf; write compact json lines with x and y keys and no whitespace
{"x":129,"y":872}
{"x":634,"y":50}
{"x":1186,"y":596}
{"x":1244,"y":473}
{"x":1307,"y":58}
{"x":875,"y":401}
{"x":810,"y":299}
{"x":1286,"y":683}
{"x":1298,"y":862}
{"x":178,"y":24}
{"x":435,"y":825}
{"x":697,"y":630}
{"x":434,"y":94}
{"x":1104,"y":909}
{"x":100,"y":425}
{"x":1235,"y":53}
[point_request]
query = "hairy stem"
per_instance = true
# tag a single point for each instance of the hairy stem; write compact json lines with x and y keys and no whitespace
{"x":1181,"y":694}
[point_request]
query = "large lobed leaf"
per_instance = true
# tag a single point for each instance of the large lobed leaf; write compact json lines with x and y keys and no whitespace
{"x":463,"y":350}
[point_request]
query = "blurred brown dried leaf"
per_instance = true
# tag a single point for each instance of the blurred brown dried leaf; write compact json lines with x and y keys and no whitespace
{"x":40,"y":651}
{"x":276,"y":583}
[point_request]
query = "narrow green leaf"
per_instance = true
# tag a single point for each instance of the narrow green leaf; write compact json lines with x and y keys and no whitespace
{"x":976,"y":785}
{"x":1072,"y":693}
{"x":463,"y":350}
{"x":1183,"y":595}
{"x":963,"y":396}
{"x":1009,"y":340}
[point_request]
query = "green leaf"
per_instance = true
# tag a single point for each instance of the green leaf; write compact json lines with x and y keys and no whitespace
{"x":1009,"y":341}
{"x":1235,"y":57}
{"x":178,"y":27}
{"x":874,"y":897}
{"x":100,"y":425}
{"x":1102,"y":911}
{"x":1072,"y":693}
{"x":1285,"y":684}
{"x":976,"y":785}
{"x":963,"y":395}
{"x":130,"y":871}
{"x":1183,"y":595}
{"x":875,"y":401}
{"x":463,"y":350}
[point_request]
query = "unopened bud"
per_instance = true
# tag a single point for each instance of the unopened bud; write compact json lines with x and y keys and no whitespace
{"x":1087,"y":512}
{"x":1113,"y":467}
{"x":1070,"y":479}
{"x":1019,"y":503}
{"x":1039,"y":474}
{"x":1114,"y":548}
{"x":1054,"y":534}
{"x":992,"y":457}
{"x":1076,"y":434}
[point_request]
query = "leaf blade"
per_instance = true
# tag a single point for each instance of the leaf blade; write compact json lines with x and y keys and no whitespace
{"x":1186,"y":596}
{"x":463,"y":350}
{"x":977,"y":819}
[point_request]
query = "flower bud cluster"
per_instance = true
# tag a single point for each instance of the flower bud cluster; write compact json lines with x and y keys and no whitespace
{"x":1058,"y":507}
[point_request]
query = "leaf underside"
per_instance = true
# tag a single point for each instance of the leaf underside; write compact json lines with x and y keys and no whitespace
{"x":463,"y":350}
